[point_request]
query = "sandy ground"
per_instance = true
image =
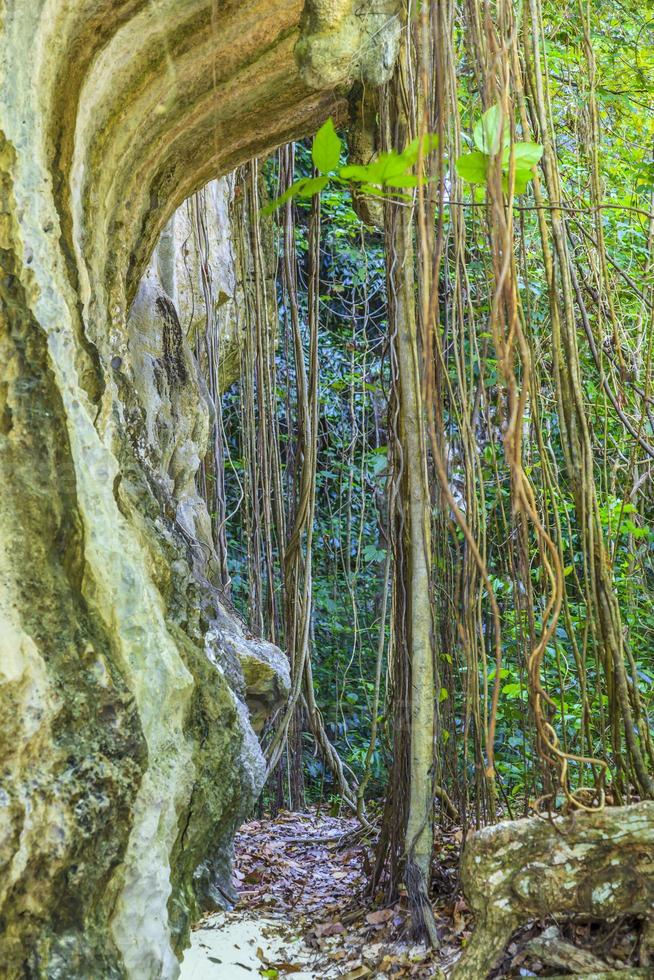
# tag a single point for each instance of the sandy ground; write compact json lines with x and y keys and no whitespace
{"x":224,"y":947}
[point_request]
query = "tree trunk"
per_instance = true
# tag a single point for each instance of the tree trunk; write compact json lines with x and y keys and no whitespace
{"x":596,"y":863}
{"x":419,"y":828}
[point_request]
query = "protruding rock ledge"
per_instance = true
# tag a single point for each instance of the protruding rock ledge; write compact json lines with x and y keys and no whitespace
{"x":127,"y":757}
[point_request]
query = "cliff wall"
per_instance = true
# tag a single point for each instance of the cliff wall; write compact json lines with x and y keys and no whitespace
{"x":127,"y":756}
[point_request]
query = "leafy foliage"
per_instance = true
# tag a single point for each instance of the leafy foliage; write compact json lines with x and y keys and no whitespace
{"x":382,"y":177}
{"x":351,"y":545}
{"x":491,"y":136}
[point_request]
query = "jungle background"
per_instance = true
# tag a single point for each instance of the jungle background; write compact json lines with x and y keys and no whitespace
{"x":433,"y":479}
{"x":602,"y":128}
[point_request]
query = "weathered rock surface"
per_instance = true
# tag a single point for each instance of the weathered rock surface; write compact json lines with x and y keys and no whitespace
{"x":126,"y":753}
{"x":198,"y":261}
{"x":598,"y":864}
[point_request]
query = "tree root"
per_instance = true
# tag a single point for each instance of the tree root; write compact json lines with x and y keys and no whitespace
{"x":554,"y":950}
{"x":598,"y":863}
{"x":422,"y":915}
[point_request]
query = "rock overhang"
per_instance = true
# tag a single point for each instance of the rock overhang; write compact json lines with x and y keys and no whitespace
{"x":113,"y":112}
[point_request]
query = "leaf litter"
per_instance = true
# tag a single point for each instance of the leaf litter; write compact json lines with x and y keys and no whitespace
{"x":303,"y":911}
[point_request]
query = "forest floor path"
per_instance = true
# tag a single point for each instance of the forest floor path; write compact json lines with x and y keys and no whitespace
{"x":303,"y":912}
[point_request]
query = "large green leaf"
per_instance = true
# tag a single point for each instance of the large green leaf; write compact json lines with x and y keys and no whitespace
{"x":371,"y":189}
{"x":391,"y":169}
{"x":385,"y":192}
{"x":405,"y":180}
{"x":473,"y":167}
{"x":486,"y":134}
{"x":381,"y":170}
{"x":411,"y":152}
{"x":387,"y":166}
{"x":313,"y":185}
{"x":304,"y":187}
{"x":526,"y":155}
{"x":520,"y":181}
{"x":290,"y":192}
{"x":355,"y":172}
{"x":326,"y":149}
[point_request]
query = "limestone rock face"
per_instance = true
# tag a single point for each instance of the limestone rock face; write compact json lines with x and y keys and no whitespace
{"x":198,"y":260}
{"x":127,"y":756}
{"x":348,"y":39}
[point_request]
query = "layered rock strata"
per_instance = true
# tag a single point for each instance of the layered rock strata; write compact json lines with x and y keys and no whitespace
{"x":127,"y":756}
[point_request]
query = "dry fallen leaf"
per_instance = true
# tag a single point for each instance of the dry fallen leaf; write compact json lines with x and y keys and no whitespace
{"x":328,"y":929}
{"x":380,"y":917}
{"x":360,"y":971}
{"x":459,"y":922}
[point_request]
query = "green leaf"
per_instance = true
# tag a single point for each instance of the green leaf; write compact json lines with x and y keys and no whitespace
{"x":326,"y":149}
{"x":390,"y":165}
{"x":304,"y":187}
{"x":443,"y":695}
{"x":405,"y":180}
{"x":379,"y":464}
{"x":526,"y":155}
{"x":292,"y":191}
{"x":389,"y":169}
{"x":312,"y":185}
{"x":411,"y":152}
{"x":383,"y":168}
{"x":354,"y":172}
{"x":521,"y":180}
{"x":375,"y":191}
{"x":486,"y":133}
{"x":473,"y":167}
{"x":371,"y":553}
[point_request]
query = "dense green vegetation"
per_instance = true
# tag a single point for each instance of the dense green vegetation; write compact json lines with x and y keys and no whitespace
{"x":349,"y":550}
{"x":608,"y":189}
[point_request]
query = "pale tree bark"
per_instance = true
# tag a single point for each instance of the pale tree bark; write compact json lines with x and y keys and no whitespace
{"x":419,"y":828}
{"x":595,"y":863}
